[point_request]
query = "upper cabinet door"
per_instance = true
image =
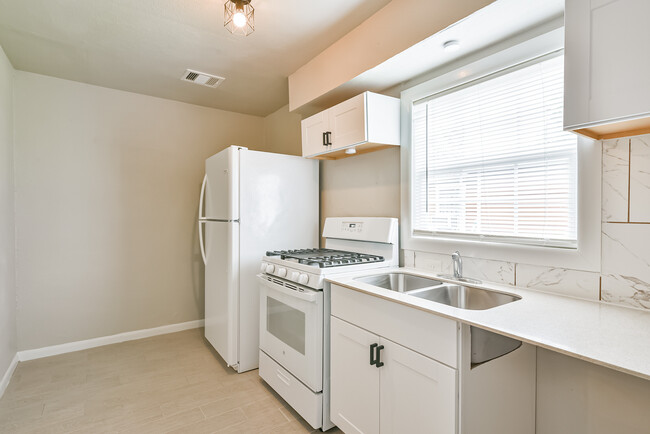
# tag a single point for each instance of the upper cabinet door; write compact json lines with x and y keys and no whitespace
{"x":354,"y":382}
{"x":417,"y":394}
{"x":607,"y":66}
{"x":347,"y":122}
{"x":314,"y":129}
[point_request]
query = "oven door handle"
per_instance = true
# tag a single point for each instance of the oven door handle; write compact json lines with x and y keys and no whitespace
{"x":311,"y":296}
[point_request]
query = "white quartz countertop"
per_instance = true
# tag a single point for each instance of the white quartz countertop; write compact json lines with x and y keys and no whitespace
{"x":608,"y":335}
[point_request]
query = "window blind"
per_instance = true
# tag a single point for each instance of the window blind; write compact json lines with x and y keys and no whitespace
{"x":491,"y":161}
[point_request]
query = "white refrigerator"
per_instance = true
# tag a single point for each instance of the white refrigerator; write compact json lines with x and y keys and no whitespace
{"x":251,"y":202}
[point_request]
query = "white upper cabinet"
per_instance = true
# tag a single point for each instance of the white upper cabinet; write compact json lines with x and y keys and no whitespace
{"x":607,"y":67}
{"x":347,"y":122}
{"x":314,"y":134}
{"x":367,"y":122}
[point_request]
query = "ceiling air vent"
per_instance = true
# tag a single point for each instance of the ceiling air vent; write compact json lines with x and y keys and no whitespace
{"x":202,"y":78}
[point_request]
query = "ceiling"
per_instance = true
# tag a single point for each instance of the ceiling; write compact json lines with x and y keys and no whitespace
{"x":145,"y":46}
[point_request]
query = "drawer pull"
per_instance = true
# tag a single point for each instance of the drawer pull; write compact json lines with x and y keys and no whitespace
{"x":282,"y":377}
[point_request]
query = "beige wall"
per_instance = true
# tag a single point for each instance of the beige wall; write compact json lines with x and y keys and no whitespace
{"x":107,"y":185}
{"x":282,"y":132}
{"x":7,"y":246}
{"x":365,"y":185}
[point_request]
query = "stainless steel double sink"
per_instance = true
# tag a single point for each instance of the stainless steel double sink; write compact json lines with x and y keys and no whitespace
{"x":451,"y":294}
{"x":485,"y":345}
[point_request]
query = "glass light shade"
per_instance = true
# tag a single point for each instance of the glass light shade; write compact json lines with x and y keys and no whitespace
{"x":239,"y":17}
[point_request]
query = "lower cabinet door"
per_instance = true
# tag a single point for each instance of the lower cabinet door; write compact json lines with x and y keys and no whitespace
{"x":354,"y":382}
{"x":418,"y":394}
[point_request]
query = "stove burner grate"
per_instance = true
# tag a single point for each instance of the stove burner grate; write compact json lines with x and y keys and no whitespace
{"x":325,"y":258}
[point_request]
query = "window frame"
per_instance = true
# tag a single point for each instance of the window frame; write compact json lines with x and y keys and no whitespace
{"x":587,"y":254}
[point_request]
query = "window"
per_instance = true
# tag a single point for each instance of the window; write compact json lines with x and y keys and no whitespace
{"x":491,"y":161}
{"x":487,"y":169}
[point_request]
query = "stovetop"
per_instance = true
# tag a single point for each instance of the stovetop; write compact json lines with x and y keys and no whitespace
{"x":325,"y":258}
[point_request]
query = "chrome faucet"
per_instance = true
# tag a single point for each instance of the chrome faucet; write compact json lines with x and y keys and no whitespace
{"x":458,"y":264}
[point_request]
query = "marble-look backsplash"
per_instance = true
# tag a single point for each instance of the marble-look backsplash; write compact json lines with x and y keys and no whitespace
{"x":625,"y":256}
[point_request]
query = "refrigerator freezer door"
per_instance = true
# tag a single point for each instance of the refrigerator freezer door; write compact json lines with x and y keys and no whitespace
{"x":222,"y":186}
{"x":222,"y":289}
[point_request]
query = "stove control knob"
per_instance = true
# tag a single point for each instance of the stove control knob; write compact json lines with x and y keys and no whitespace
{"x":263,"y":267}
{"x":282,"y":271}
{"x":303,"y":279}
{"x":294,"y":276}
{"x":270,"y":268}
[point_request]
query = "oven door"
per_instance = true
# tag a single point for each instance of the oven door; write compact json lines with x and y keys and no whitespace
{"x":291,"y":328}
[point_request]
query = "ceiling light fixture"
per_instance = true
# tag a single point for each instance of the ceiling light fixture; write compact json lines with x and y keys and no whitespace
{"x":350,"y":151}
{"x":451,"y":46}
{"x":239,"y":17}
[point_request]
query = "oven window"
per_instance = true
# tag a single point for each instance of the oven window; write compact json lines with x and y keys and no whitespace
{"x":286,"y":323}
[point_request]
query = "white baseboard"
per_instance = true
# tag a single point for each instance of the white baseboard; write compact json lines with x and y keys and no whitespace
{"x":8,"y":373}
{"x":105,"y":340}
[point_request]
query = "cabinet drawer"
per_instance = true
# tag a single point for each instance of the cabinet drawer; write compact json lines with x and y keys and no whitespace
{"x":306,"y":402}
{"x":424,"y":332}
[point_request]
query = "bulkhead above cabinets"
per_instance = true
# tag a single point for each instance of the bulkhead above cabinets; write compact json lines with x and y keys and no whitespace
{"x":365,"y":123}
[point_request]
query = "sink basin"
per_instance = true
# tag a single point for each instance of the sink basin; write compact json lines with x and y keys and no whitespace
{"x":400,"y":282}
{"x":464,"y":297}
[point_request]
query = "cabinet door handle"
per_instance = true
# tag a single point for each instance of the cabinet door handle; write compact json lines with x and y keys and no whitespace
{"x":373,"y":361}
{"x":325,"y":138}
{"x":378,"y":361}
{"x":329,"y":138}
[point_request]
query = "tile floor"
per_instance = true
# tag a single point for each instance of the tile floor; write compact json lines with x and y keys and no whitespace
{"x":170,"y":383}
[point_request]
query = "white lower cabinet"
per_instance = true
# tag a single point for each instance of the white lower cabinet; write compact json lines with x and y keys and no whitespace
{"x":354,"y":382}
{"x":379,"y":386}
{"x":398,"y":369}
{"x":417,"y":394}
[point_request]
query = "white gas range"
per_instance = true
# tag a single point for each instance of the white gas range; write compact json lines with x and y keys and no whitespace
{"x":294,"y":307}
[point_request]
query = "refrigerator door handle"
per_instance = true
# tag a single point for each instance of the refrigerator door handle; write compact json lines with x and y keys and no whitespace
{"x":205,"y":180}
{"x":201,"y":223}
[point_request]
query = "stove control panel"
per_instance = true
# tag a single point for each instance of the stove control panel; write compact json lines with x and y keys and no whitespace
{"x":307,"y":279}
{"x":369,"y":229}
{"x":352,"y":227}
